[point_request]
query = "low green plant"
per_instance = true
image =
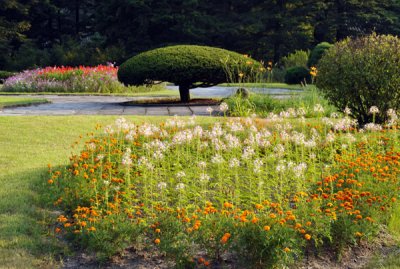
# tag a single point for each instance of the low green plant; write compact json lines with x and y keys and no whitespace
{"x":262,"y":105}
{"x":297,"y":75}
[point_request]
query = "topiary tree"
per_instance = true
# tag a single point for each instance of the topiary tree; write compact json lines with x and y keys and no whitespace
{"x":317,"y":53}
{"x":187,"y":66}
{"x":361,"y":73}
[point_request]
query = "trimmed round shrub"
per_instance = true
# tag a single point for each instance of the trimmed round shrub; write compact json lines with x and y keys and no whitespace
{"x":187,"y":66}
{"x":297,"y":75}
{"x":361,"y":73}
{"x":317,"y":53}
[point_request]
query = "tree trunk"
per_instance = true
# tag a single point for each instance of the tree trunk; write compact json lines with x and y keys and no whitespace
{"x":184,"y":93}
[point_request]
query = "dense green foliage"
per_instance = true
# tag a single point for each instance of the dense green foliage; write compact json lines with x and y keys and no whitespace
{"x":361,"y":73}
{"x":297,"y":75}
{"x":317,"y":53}
{"x":188,"y":66}
{"x":297,"y":58}
{"x":4,"y":75}
{"x":88,"y":32}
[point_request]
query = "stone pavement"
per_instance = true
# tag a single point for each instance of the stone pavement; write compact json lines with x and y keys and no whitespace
{"x":99,"y":105}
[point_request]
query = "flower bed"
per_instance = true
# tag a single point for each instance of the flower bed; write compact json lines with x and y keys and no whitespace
{"x":264,"y":189}
{"x":98,"y":79}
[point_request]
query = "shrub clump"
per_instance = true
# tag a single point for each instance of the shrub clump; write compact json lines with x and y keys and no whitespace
{"x":4,"y":75}
{"x":362,"y":73}
{"x":317,"y":53}
{"x":297,"y":58}
{"x":297,"y":74}
{"x":188,"y":66}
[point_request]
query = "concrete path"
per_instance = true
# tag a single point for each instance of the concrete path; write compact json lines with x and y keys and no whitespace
{"x":99,"y":105}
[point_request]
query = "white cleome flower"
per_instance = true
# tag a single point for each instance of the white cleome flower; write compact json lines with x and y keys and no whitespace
{"x":223,"y":107}
{"x":234,"y":163}
{"x":180,"y":186}
{"x":162,"y":185}
{"x":374,"y":110}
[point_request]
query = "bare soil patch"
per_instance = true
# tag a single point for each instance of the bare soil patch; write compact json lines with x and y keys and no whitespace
{"x":355,"y":257}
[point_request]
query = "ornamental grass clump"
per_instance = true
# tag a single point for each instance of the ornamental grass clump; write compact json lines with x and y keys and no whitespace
{"x":360,"y":73}
{"x":264,"y":189}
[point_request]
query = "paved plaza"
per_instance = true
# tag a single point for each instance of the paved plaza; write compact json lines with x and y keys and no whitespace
{"x":101,"y":105}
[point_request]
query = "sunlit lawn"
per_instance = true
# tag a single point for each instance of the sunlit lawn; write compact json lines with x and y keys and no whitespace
{"x":8,"y":101}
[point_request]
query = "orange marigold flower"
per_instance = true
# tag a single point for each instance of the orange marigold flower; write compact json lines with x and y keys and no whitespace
{"x":359,"y":217}
{"x":259,"y":206}
{"x":267,"y":228}
{"x":358,"y":234}
{"x":297,"y":226}
{"x":92,"y":229}
{"x":225,"y":238}
{"x":254,"y":220}
{"x":228,"y":205}
{"x":286,"y":249}
{"x":157,"y":231}
{"x":307,"y":236}
{"x":308,"y":223}
{"x":272,"y":215}
{"x":57,"y":230}
{"x":157,"y":241}
{"x":50,"y":181}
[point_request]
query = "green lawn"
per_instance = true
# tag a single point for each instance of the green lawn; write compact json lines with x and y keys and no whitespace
{"x":27,"y":145}
{"x":8,"y":101}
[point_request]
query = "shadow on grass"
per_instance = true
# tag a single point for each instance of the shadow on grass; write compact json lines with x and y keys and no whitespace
{"x":26,"y":236}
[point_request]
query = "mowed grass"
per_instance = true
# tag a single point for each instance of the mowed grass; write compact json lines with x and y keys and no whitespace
{"x":8,"y":101}
{"x":27,"y":145}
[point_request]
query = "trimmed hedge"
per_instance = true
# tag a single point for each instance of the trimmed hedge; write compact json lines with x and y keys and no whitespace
{"x":317,"y":53}
{"x":188,"y":66}
{"x":297,"y":75}
{"x":361,"y":73}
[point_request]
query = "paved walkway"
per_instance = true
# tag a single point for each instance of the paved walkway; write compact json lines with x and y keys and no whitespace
{"x":99,"y":105}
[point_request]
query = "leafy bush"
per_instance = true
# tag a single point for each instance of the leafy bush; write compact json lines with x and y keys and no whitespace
{"x":187,"y":66}
{"x":297,"y":74}
{"x":4,"y":75}
{"x":297,"y":58}
{"x":317,"y":53}
{"x":98,"y":79}
{"x":361,"y":73}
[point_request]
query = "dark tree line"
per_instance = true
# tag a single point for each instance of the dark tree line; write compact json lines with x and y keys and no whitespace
{"x":73,"y":32}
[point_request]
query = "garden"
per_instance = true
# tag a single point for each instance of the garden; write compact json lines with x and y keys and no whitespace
{"x":302,"y":181}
